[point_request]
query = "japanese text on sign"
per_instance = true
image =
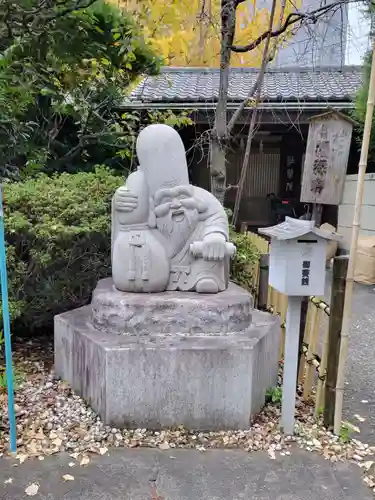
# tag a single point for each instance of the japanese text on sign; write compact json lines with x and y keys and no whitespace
{"x":305,"y":278}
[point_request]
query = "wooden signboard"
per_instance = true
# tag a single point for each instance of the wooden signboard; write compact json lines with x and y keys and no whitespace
{"x":326,"y":158}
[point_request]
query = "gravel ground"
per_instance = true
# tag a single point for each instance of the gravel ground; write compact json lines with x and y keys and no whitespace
{"x":51,"y":419}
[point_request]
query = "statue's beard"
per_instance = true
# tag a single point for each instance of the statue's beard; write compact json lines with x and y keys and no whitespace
{"x":177,"y":226}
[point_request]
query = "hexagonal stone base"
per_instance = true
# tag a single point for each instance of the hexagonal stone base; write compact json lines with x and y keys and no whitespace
{"x":155,"y":381}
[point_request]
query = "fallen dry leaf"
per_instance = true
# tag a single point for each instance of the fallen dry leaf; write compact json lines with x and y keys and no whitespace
{"x":32,"y":490}
{"x":358,"y":417}
{"x":57,"y":442}
{"x":367,"y":465}
{"x":64,"y":386}
{"x":271,"y":454}
{"x":154,"y":494}
{"x":84,"y":461}
{"x":21,"y":457}
{"x":71,"y":464}
{"x":40,"y":434}
{"x":103,"y":450}
{"x":68,"y":477}
{"x":317,"y":443}
{"x":164,"y":446}
{"x":32,"y":447}
{"x":369,"y":482}
{"x":8,"y":481}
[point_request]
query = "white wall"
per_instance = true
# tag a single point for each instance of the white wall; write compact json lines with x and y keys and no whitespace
{"x":346,"y":208}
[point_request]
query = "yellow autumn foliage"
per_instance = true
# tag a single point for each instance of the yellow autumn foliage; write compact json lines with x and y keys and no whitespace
{"x":187,"y":32}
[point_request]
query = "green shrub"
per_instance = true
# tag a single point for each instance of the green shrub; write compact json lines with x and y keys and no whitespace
{"x":58,"y":242}
{"x":243,"y":266}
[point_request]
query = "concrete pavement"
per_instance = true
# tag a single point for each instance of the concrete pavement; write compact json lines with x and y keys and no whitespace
{"x":146,"y":474}
{"x":359,"y":397}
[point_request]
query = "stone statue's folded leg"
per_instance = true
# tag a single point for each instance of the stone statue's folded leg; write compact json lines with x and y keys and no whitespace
{"x":207,"y":285}
{"x":209,"y":276}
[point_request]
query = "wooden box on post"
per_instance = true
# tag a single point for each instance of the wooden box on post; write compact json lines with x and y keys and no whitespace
{"x":298,"y":257}
{"x":296,"y":268}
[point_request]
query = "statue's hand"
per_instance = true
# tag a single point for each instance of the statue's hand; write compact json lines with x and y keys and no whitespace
{"x":213,"y":247}
{"x":125,"y":200}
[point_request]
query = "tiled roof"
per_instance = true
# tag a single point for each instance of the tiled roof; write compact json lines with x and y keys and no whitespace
{"x":197,"y":85}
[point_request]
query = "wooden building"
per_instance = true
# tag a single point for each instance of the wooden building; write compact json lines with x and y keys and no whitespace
{"x":290,"y":97}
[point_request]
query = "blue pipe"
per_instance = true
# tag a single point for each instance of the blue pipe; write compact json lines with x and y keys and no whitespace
{"x":6,"y":324}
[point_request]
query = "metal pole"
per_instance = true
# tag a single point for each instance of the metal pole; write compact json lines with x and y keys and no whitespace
{"x":291,"y":355}
{"x":6,"y":324}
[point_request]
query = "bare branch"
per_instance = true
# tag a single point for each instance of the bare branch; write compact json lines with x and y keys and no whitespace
{"x":228,"y":33}
{"x":291,"y":19}
{"x":273,"y":49}
{"x":242,"y":106}
{"x":253,"y":89}
{"x":246,"y":160}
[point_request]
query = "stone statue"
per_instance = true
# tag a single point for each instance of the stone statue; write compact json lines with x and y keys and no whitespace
{"x":130,"y":355}
{"x":166,"y":233}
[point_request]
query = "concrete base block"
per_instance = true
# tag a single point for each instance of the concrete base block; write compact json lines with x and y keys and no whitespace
{"x":170,"y":313}
{"x":156,"y":381}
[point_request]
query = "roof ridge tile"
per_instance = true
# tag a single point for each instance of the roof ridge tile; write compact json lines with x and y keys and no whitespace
{"x":280,"y":84}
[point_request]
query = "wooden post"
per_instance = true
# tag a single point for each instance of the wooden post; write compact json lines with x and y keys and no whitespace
{"x":320,"y":391}
{"x":290,"y":365}
{"x":302,"y":327}
{"x":269,"y":296}
{"x":282,"y":310}
{"x":353,"y":248}
{"x":263,"y":282}
{"x":340,"y":268}
{"x":312,"y":342}
{"x":317,"y":214}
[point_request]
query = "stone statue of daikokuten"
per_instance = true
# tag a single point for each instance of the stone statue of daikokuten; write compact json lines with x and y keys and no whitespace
{"x":166,"y":233}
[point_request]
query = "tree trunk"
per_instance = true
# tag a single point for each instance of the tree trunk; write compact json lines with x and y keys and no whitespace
{"x":218,"y":166}
{"x":251,"y":133}
{"x":219,"y":136}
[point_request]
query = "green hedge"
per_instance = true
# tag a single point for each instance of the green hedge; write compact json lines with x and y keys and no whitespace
{"x":244,"y":264}
{"x":58,"y":243}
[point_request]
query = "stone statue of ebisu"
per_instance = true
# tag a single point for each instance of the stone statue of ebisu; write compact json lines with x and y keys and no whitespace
{"x":166,"y":233}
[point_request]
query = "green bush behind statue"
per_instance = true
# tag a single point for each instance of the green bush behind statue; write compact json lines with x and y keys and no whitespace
{"x":58,"y":235}
{"x":58,"y":242}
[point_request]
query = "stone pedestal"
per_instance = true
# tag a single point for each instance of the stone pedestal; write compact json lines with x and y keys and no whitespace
{"x":168,"y":359}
